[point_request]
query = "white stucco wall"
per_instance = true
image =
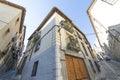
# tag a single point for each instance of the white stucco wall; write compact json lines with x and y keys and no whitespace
{"x":104,"y":15}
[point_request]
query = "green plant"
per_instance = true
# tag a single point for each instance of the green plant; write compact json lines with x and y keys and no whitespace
{"x":69,"y":46}
{"x":73,"y":44}
{"x":36,"y":38}
{"x":77,"y":49}
{"x":68,"y":27}
{"x":73,"y":47}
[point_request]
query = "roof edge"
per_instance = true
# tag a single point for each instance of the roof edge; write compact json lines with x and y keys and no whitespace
{"x":54,"y":9}
{"x":91,"y":5}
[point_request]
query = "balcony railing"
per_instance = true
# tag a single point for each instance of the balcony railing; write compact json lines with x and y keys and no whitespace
{"x":36,"y":38}
{"x":73,"y":44}
{"x":67,"y":26}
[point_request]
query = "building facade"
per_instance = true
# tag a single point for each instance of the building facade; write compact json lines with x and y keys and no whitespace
{"x":12,"y":33}
{"x":98,"y":49}
{"x":103,"y":14}
{"x":58,"y":50}
{"x":114,"y":41}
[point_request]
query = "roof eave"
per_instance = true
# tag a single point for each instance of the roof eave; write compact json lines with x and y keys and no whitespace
{"x":49,"y":15}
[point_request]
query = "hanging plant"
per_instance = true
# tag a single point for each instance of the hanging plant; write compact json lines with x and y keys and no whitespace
{"x":68,"y":27}
{"x":36,"y":38}
{"x":73,"y":44}
{"x":73,"y":47}
{"x":77,"y":49}
{"x":69,"y":46}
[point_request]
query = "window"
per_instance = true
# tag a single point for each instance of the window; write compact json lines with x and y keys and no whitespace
{"x":111,"y":2}
{"x":20,"y":37}
{"x":97,"y":65}
{"x":37,"y":47}
{"x":34,"y":68}
{"x":20,"y":44}
{"x":92,"y":66}
{"x":84,"y":49}
{"x":17,"y":21}
{"x":85,"y":40}
{"x":7,"y":31}
{"x":14,"y":38}
{"x":91,"y":52}
{"x":79,"y":35}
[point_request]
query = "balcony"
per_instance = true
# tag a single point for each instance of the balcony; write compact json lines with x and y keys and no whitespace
{"x":67,"y":26}
{"x":73,"y":44}
{"x":36,"y":38}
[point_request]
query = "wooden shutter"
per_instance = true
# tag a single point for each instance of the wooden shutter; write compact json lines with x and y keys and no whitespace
{"x":83,"y":69}
{"x":76,"y":68}
{"x":70,"y":68}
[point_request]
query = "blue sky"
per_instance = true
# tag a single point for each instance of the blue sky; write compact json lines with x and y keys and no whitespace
{"x":37,"y":10}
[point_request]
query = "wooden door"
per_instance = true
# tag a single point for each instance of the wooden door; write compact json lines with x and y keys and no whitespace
{"x":76,"y":69}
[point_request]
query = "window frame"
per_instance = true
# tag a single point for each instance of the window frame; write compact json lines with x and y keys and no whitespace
{"x":37,"y":46}
{"x":92,"y":66}
{"x":7,"y":31}
{"x":84,"y":48}
{"x":34,"y":70}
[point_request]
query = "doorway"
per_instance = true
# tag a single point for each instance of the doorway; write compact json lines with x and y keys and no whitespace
{"x":76,"y":69}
